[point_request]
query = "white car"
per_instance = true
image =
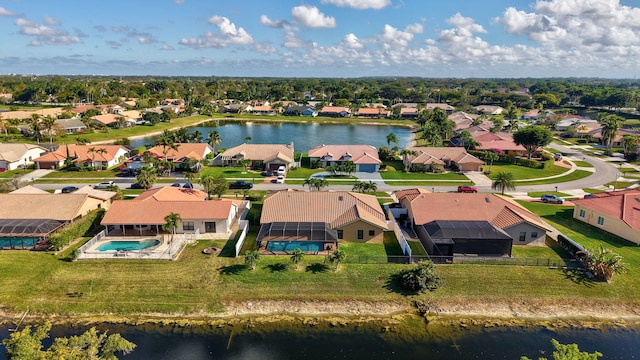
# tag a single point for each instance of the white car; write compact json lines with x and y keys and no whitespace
{"x":280,"y":179}
{"x":103,"y":185}
{"x":281,"y":170}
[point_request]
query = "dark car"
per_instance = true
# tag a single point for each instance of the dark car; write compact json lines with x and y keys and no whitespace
{"x":136,"y":186}
{"x":467,"y":189}
{"x":240,"y":184}
{"x":187,"y":185}
{"x":267,"y":173}
{"x":69,"y":189}
{"x":176,"y":184}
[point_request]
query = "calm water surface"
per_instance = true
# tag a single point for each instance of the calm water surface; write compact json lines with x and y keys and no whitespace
{"x":355,"y":344}
{"x":304,"y":136}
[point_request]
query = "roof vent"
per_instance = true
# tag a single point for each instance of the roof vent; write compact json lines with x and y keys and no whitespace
{"x":340,"y":198}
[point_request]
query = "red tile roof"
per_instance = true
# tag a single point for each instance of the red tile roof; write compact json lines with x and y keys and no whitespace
{"x":624,"y":205}
{"x":359,"y":154}
{"x":196,"y":151}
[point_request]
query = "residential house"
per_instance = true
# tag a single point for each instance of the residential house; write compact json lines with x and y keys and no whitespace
{"x":264,"y":110}
{"x":373,"y":113}
{"x":617,"y":140}
{"x":27,"y":220}
{"x":300,"y":110}
{"x":446,"y":107}
{"x":27,"y":114}
{"x":237,"y":108}
{"x":449,"y":224}
{"x":70,"y":126}
{"x":616,"y":212}
{"x":462,"y":120}
{"x":86,"y":155}
{"x":15,"y":156}
{"x":489,"y":109}
{"x":564,"y":124}
{"x":184,"y":153}
{"x":335,"y":111}
{"x":111,"y":120}
{"x":455,"y":158}
{"x":500,"y":142}
{"x":262,"y":156}
{"x":409,"y":113}
{"x":365,"y":157}
{"x":82,"y":108}
{"x":146,"y":214}
{"x":324,"y":218}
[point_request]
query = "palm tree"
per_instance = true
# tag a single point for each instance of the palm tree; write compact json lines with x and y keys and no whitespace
{"x":630,"y":146}
{"x":170,"y":223}
{"x":92,"y":151}
{"x":214,"y":139}
{"x":100,"y":151}
{"x":405,"y":154}
{"x":316,"y":183}
{"x":358,"y":186}
{"x":47,"y":125}
{"x":296,"y":257}
{"x":337,"y":257}
{"x":35,"y":126}
{"x":603,"y":263}
{"x":196,"y":136}
{"x":371,"y":186}
{"x":189,"y":176}
{"x":503,"y":181}
{"x":610,"y":127}
{"x":208,"y":182}
{"x":348,"y":167}
{"x":490,"y":156}
{"x":392,"y":138}
{"x":4,"y":124}
{"x":120,"y":121}
{"x":146,"y":176}
{"x":247,"y":139}
{"x":251,"y":258}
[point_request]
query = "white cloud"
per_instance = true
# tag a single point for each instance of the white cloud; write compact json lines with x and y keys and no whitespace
{"x":276,"y":24}
{"x":45,"y":34}
{"x":178,"y":1}
{"x":311,"y":17}
{"x":5,"y":12}
{"x":352,"y":42}
{"x":414,"y":28}
{"x":50,"y":20}
{"x":393,"y":38}
{"x":359,"y":4}
{"x":228,"y":34}
{"x":167,"y":47}
{"x":264,"y":48}
{"x":292,"y":41}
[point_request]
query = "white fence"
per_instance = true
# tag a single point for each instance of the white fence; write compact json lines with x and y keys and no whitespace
{"x":243,"y":225}
{"x":404,"y":245}
{"x":167,"y":249}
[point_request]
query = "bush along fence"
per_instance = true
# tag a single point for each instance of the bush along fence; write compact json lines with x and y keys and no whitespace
{"x":545,"y":262}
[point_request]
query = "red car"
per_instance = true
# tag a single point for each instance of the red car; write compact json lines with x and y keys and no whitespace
{"x":467,"y":189}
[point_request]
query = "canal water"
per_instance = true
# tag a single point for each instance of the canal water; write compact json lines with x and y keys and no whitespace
{"x":303,"y":135}
{"x":354,"y":343}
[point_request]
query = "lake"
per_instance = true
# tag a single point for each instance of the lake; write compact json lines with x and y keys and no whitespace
{"x":303,"y":135}
{"x":360,"y":342}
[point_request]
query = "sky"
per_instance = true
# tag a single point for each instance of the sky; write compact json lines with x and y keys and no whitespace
{"x":322,"y":38}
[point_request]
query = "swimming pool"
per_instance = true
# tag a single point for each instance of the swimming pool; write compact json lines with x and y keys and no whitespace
{"x":128,"y":245}
{"x":18,"y":242}
{"x":288,"y":246}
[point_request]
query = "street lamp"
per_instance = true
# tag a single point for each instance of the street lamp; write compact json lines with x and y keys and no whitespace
{"x":556,"y":188}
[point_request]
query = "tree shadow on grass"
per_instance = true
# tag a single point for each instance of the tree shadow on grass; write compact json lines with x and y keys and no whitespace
{"x":579,"y":277}
{"x":229,"y":249}
{"x":317,"y":268}
{"x":233,"y":269}
{"x":278,"y":267}
{"x":393,"y":285}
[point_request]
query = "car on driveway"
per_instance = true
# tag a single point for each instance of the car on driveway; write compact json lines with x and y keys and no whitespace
{"x":549,"y":198}
{"x":136,"y":186}
{"x":240,"y":184}
{"x":467,"y":189}
{"x":267,"y":173}
{"x":103,"y":185}
{"x":279,"y":179}
{"x":69,"y":189}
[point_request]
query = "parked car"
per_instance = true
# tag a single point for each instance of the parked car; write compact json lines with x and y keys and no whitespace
{"x":267,"y":173}
{"x":589,"y":196}
{"x":103,"y":185}
{"x":187,"y":186}
{"x":557,"y":157}
{"x":136,"y":186}
{"x":240,"y":184}
{"x":69,"y":189}
{"x":548,"y":198}
{"x":282,"y":170}
{"x":279,"y":179}
{"x":467,"y":189}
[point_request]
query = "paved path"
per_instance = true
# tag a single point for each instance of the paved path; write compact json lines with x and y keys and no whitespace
{"x":35,"y":174}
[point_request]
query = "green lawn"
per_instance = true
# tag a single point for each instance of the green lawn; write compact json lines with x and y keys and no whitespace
{"x":101,"y":174}
{"x":302,"y":172}
{"x":232,"y":172}
{"x":593,"y":191}
{"x":537,"y":194}
{"x":626,"y":170}
{"x":581,"y":163}
{"x":576,"y":175}
{"x":12,"y":173}
{"x":616,"y":185}
{"x":524,"y":173}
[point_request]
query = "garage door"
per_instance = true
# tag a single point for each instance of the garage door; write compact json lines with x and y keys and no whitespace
{"x":367,"y":168}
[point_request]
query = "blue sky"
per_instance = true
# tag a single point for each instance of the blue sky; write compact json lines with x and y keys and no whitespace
{"x":322,"y":38}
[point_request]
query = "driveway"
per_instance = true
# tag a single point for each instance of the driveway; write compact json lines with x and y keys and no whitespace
{"x":363,"y":176}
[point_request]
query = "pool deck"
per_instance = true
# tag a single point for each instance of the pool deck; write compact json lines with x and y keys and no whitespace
{"x":160,"y":251}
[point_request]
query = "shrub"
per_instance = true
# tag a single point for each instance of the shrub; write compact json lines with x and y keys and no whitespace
{"x":87,"y":225}
{"x":421,"y":278}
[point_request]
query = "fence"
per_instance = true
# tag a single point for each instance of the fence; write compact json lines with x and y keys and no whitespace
{"x":243,"y":225}
{"x":404,"y":245}
{"x":552,"y":263}
{"x":167,"y":250}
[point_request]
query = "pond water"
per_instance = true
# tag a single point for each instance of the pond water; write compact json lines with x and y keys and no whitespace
{"x":303,"y":135}
{"x":345,"y":342}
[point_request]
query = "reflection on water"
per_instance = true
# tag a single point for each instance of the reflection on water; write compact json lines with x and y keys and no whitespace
{"x":304,"y":135}
{"x":365,"y":341}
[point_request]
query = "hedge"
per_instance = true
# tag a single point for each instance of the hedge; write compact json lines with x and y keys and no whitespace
{"x":85,"y":226}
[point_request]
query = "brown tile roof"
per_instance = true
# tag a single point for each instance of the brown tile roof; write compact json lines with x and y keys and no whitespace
{"x":624,"y":205}
{"x":106,"y":119}
{"x":152,"y":206}
{"x":360,"y":154}
{"x":443,"y":106}
{"x":337,"y":208}
{"x":410,"y":193}
{"x":82,"y":108}
{"x":264,"y":152}
{"x":335,"y":109}
{"x":41,"y":206}
{"x":500,"y":211}
{"x":373,"y":111}
{"x":196,"y":151}
{"x":29,"y":189}
{"x":96,"y":194}
{"x":427,"y":155}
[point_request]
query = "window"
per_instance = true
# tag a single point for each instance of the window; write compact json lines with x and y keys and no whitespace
{"x":600,"y":220}
{"x":523,"y":236}
{"x":188,"y":226}
{"x":340,"y":235}
{"x":582,"y":213}
{"x":372,"y":233}
{"x":534,"y":234}
{"x":360,"y":234}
